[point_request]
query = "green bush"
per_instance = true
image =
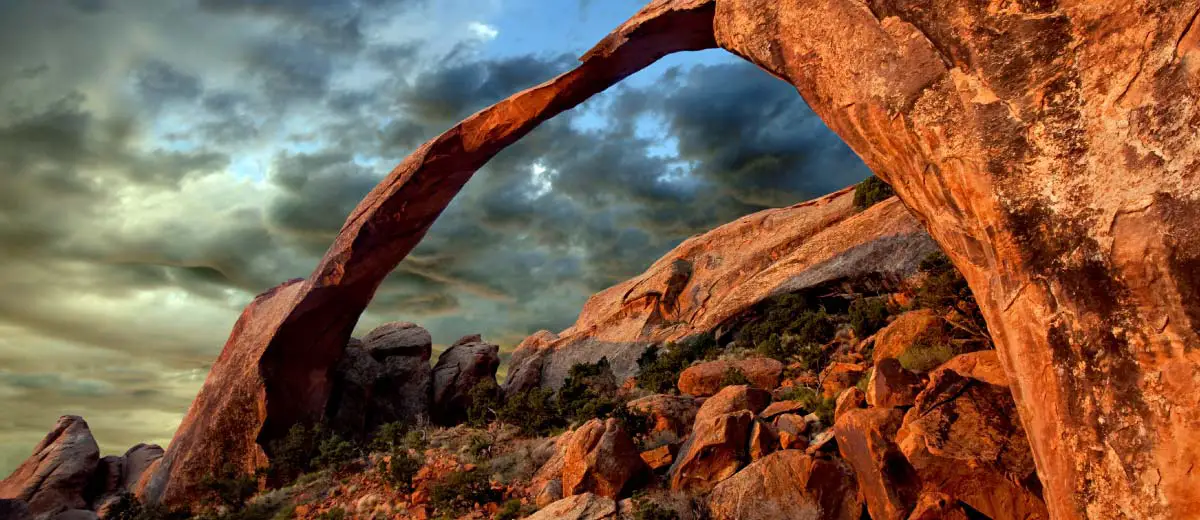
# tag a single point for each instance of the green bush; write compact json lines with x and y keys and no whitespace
{"x":479,"y":446}
{"x":589,"y":391}
{"x":868,"y":315}
{"x":335,"y":452}
{"x":401,"y":469}
{"x":485,"y":401}
{"x":231,"y":488}
{"x":646,"y":510}
{"x":636,"y":424}
{"x":659,"y":368}
{"x":512,"y":510}
{"x":306,"y":449}
{"x":335,"y":513}
{"x":945,"y":288}
{"x":460,"y":491}
{"x":812,"y":401}
{"x":789,"y":327}
{"x":871,"y":191}
{"x":389,"y":437}
{"x":926,"y":355}
{"x":733,"y":376}
{"x":534,"y":412}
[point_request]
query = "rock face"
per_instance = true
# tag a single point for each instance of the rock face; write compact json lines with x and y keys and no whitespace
{"x":704,"y":379}
{"x":716,"y":450}
{"x":867,"y":441}
{"x":601,"y":459}
{"x":465,"y":364}
{"x":385,"y":379}
{"x":733,"y":399}
{"x":585,"y":506}
{"x":1048,"y":147}
{"x":787,"y":484}
{"x":55,"y":478}
{"x":964,"y":440}
{"x":713,"y":277}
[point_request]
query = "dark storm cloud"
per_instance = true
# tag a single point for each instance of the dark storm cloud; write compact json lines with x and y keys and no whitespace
{"x":452,"y":92}
{"x":159,"y":82}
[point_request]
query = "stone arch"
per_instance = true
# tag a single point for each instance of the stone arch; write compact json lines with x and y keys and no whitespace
{"x":1049,"y":146}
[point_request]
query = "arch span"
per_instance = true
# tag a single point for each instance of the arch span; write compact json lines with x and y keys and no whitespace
{"x":1050,"y":147}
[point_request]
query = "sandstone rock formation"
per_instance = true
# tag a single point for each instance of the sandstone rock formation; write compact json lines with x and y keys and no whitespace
{"x":704,"y":379}
{"x":792,"y":431}
{"x":763,"y":440}
{"x":850,"y":399}
{"x":891,"y":385}
{"x":936,"y":506}
{"x":787,"y":484}
{"x":1048,"y":147}
{"x":733,"y":399}
{"x":964,"y":440}
{"x":56,"y":477}
{"x":716,"y":450}
{"x":714,"y":277}
{"x":465,"y":364}
{"x":601,"y":459}
{"x":584,"y":506}
{"x":983,"y":365}
{"x":839,"y":376}
{"x":385,"y":379}
{"x":867,"y":441}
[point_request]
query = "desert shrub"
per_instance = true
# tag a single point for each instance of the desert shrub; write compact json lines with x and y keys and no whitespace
{"x":335,"y":513}
{"x":871,"y":191}
{"x":812,"y":401}
{"x":589,"y":391}
{"x":868,"y":315}
{"x":533,"y":412}
{"x":416,"y":440}
{"x":460,"y":491}
{"x":401,"y":469}
{"x":231,"y":488}
{"x":389,"y":437}
{"x":659,"y":368}
{"x":733,"y":376}
{"x":335,"y":452}
{"x":945,"y":288}
{"x":479,"y":446}
{"x":788,"y":324}
{"x":926,"y":355}
{"x":128,"y":507}
{"x":636,"y":423}
{"x":485,"y":399}
{"x":512,"y":510}
{"x":647,"y":510}
{"x":306,"y":449}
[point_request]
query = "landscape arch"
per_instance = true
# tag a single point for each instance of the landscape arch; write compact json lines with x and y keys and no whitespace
{"x":1050,"y":148}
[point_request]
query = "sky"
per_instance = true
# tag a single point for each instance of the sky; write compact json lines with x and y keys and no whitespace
{"x":163,"y":161}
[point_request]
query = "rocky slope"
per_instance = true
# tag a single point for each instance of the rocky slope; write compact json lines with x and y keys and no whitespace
{"x":712,"y":278}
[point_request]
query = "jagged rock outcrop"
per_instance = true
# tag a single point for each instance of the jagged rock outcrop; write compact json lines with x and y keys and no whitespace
{"x":733,"y":399}
{"x":669,"y":413}
{"x":716,"y":450}
{"x":525,"y":365}
{"x":384,"y":378}
{"x":468,"y":362}
{"x":866,"y":440}
{"x":601,"y":459}
{"x":730,"y":269}
{"x":704,"y":379}
{"x":56,"y":477}
{"x":787,"y":484}
{"x":1048,"y":147}
{"x":964,"y":440}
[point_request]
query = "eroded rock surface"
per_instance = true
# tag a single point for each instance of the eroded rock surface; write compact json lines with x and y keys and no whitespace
{"x":465,"y":364}
{"x":716,"y":450}
{"x":705,"y":379}
{"x":384,"y":379}
{"x":867,"y":441}
{"x":586,"y":506}
{"x":602,"y":459}
{"x":787,"y":484}
{"x":56,"y":477}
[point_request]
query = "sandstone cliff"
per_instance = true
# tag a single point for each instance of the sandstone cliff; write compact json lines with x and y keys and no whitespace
{"x":711,"y":278}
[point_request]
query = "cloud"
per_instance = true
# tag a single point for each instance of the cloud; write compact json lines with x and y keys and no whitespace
{"x":483,"y":31}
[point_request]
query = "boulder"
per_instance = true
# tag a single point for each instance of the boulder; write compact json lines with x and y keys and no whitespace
{"x":13,"y":509}
{"x":602,"y":459}
{"x":56,"y":477}
{"x":551,"y":492}
{"x":907,"y":330}
{"x":386,"y":379}
{"x":936,"y":506}
{"x":866,"y":440}
{"x":792,"y":430}
{"x":106,"y":481}
{"x":787,"y":484}
{"x":839,"y":376}
{"x":733,"y":399}
{"x":136,"y":462}
{"x":964,"y":439}
{"x":465,"y":364}
{"x":849,"y":399}
{"x":525,"y":365}
{"x":781,"y":407}
{"x":983,"y":365}
{"x":679,"y":506}
{"x":402,"y":339}
{"x":670,"y":413}
{"x":553,"y":467}
{"x":704,"y":379}
{"x":586,"y":506}
{"x":891,"y":385}
{"x":658,"y":458}
{"x":763,"y":440}
{"x":716,"y":449}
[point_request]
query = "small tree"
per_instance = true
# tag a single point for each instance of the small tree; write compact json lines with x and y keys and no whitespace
{"x":871,"y":192}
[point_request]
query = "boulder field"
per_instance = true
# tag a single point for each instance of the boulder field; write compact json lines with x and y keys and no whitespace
{"x":1049,"y":148}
